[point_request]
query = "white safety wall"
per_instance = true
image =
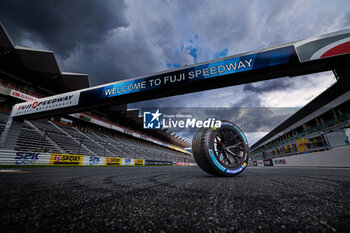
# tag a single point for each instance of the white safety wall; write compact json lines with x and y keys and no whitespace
{"x":8,"y":157}
{"x":24,"y":158}
{"x":338,"y":157}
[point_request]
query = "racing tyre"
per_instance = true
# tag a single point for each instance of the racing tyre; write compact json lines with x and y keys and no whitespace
{"x":221,"y":151}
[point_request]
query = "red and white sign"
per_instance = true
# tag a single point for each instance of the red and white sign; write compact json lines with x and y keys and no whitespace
{"x":48,"y":103}
{"x":328,"y":45}
{"x":22,"y":96}
{"x":333,"y":49}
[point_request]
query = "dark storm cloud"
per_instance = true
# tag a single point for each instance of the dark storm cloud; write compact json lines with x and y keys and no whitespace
{"x":95,"y":37}
{"x":61,"y":25}
{"x":114,"y":40}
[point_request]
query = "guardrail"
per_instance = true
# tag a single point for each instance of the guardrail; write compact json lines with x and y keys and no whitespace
{"x":8,"y":157}
{"x":338,"y":157}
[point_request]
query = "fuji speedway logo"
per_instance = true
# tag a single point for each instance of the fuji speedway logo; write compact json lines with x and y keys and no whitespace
{"x":46,"y":102}
{"x":153,"y":120}
{"x":35,"y":104}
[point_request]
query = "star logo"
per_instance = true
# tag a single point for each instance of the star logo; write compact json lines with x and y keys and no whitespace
{"x":152,"y":120}
{"x":156,"y":115}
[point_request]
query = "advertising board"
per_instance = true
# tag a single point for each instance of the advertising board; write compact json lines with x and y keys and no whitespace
{"x":66,"y":159}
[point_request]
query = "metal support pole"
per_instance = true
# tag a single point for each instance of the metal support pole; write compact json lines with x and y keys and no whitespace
{"x":104,"y":151}
{"x":11,"y":133}
{"x":43,"y":141}
{"x":81,"y":141}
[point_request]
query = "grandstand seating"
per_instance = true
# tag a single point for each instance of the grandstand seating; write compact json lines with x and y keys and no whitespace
{"x":45,"y":136}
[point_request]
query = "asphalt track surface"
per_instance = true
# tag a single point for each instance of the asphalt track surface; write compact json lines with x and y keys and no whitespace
{"x":174,"y":199}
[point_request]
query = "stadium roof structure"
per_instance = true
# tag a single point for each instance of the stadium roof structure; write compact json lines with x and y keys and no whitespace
{"x":37,"y":67}
{"x":314,"y":108}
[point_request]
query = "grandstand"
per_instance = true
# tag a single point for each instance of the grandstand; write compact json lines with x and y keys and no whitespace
{"x":321,"y":125}
{"x":28,"y":74}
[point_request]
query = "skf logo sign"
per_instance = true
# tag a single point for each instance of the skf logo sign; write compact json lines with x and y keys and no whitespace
{"x":152,"y":120}
{"x":94,"y":160}
{"x":26,"y":158}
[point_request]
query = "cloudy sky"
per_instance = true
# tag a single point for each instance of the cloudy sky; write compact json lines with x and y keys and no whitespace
{"x":114,"y":40}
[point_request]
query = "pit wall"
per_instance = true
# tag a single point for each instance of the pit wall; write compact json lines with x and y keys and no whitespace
{"x":338,"y":157}
{"x":37,"y":158}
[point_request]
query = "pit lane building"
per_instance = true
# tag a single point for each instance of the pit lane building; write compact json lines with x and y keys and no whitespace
{"x":323,"y":125}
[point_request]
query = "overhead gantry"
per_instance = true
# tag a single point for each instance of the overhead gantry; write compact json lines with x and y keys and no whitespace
{"x":322,"y":53}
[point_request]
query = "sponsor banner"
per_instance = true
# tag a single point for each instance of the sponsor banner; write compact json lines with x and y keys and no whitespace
{"x":128,"y":132}
{"x":27,"y":158}
{"x":268,"y":162}
{"x":66,"y":159}
{"x":85,"y":118}
{"x":93,"y":161}
{"x":139,"y":162}
{"x":128,"y":162}
{"x":302,"y":145}
{"x":22,"y":96}
{"x":185,"y":164}
{"x":155,"y":141}
{"x":113,"y":161}
{"x":255,"y":163}
{"x":260,"y":163}
{"x":213,"y":69}
{"x":280,"y":162}
{"x":37,"y":158}
{"x":8,"y":157}
{"x":47,"y":103}
{"x":157,"y":162}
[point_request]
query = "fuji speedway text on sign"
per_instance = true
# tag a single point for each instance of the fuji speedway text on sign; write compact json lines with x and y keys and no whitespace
{"x":306,"y":56}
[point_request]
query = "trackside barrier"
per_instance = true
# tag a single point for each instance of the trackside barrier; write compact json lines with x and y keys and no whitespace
{"x":260,"y":163}
{"x":156,"y":162}
{"x":185,"y":164}
{"x":24,"y":158}
{"x":338,"y":157}
{"x":8,"y":157}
